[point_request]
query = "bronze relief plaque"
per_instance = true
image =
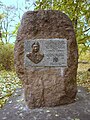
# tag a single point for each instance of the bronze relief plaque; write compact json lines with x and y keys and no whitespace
{"x":35,"y":56}
{"x":45,"y":52}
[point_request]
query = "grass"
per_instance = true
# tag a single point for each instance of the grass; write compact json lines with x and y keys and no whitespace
{"x":9,"y":82}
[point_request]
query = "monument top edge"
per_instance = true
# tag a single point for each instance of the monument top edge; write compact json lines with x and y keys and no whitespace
{"x":47,"y":39}
{"x":44,"y":11}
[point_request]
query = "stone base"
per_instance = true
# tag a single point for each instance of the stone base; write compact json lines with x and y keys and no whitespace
{"x":16,"y":109}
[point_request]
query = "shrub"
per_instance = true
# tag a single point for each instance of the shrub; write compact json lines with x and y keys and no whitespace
{"x":6,"y":56}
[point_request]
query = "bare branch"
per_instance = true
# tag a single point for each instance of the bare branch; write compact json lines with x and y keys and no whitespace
{"x":86,"y":30}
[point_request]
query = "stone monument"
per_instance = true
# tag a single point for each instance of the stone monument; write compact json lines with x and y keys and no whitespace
{"x":46,"y":58}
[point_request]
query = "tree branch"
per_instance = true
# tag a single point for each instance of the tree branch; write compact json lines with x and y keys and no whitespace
{"x":86,"y":30}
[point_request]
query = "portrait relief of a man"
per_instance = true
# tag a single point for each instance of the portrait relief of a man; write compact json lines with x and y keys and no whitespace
{"x":35,"y":56}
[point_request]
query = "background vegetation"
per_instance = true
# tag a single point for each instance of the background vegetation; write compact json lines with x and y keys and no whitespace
{"x":79,"y":13}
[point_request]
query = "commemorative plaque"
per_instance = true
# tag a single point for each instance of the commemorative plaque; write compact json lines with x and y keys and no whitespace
{"x":46,"y":52}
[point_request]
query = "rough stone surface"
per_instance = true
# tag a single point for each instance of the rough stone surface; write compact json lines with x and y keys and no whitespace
{"x":16,"y":109}
{"x":44,"y":86}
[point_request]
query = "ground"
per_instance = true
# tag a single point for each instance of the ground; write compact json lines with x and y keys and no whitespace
{"x":16,"y":109}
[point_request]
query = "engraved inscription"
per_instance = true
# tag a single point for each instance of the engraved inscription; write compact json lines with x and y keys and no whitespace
{"x":45,"y":52}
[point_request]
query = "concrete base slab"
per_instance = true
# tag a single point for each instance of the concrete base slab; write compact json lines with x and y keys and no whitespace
{"x":16,"y":109}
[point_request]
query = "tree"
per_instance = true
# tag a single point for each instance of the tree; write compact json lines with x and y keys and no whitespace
{"x":6,"y":23}
{"x":11,"y":20}
{"x":78,"y":12}
{"x":0,"y":28}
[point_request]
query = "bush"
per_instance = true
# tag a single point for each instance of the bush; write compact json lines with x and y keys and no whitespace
{"x":6,"y":56}
{"x":83,"y":76}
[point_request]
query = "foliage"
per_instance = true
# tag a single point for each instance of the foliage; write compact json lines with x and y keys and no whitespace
{"x":84,"y":53}
{"x":1,"y":16}
{"x":78,"y":12}
{"x":14,"y":32}
{"x":6,"y":56}
{"x":8,"y":22}
{"x":8,"y":83}
{"x":83,"y":76}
